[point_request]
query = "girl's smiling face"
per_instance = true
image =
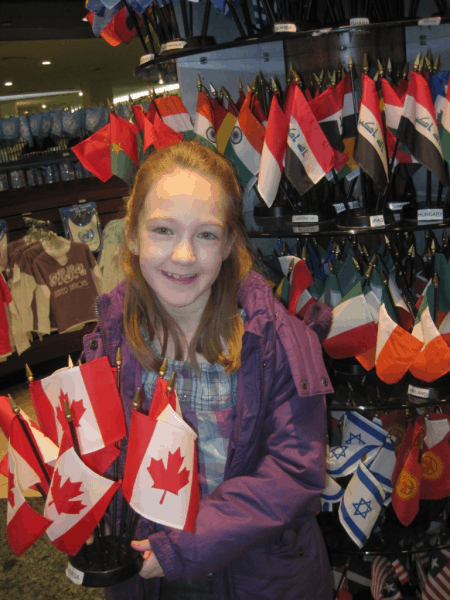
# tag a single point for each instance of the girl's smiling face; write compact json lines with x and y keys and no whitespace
{"x":183,"y":240}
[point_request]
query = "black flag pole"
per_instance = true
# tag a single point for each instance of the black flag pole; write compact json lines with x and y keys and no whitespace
{"x":136,"y":24}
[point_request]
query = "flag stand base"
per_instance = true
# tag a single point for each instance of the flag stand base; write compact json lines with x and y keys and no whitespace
{"x":87,"y":570}
{"x":358,"y":219}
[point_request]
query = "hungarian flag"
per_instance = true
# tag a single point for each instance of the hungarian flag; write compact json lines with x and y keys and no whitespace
{"x":23,"y":524}
{"x":353,"y":330}
{"x":204,"y":120}
{"x":407,"y":475}
{"x":174,"y":114}
{"x":77,"y":500}
{"x":396,"y":349}
{"x":436,"y":458}
{"x":224,"y":122}
{"x":94,"y":153}
{"x":309,"y":155}
{"x":161,"y":474}
{"x":445,"y":129}
{"x":91,"y":393}
{"x":124,"y":148}
{"x":418,"y":128}
{"x":370,"y":148}
{"x":272,"y":156}
{"x":157,"y":133}
{"x":246,"y":143}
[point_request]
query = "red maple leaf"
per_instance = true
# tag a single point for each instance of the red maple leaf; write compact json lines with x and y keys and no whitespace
{"x":76,"y":408}
{"x":168,"y":479}
{"x":63,"y":496}
{"x":11,"y":498}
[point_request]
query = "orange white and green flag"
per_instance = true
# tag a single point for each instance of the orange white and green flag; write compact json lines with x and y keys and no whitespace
{"x":174,"y":114}
{"x":204,"y":120}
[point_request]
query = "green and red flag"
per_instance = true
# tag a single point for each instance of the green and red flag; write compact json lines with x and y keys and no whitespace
{"x":94,"y":153}
{"x":301,"y":280}
{"x":124,"y":148}
{"x":436,"y":458}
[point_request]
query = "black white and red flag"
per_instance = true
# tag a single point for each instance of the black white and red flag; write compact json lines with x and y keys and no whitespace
{"x":370,"y":148}
{"x":418,"y":128}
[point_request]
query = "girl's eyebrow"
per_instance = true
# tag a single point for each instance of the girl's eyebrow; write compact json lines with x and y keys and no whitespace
{"x":203,"y":223}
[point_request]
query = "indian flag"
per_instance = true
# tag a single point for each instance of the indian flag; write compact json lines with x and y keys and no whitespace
{"x":246,"y":143}
{"x":204,"y":120}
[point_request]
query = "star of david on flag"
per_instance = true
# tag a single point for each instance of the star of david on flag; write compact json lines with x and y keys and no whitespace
{"x":360,"y":430}
{"x":344,"y":460}
{"x":361,"y":505}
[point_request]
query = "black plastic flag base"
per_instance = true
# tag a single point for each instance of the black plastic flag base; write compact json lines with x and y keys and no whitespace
{"x":89,"y":570}
{"x":276,"y":211}
{"x":422,"y":214}
{"x":187,"y":44}
{"x":358,"y":219}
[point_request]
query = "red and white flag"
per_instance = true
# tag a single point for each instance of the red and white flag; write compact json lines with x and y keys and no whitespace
{"x":157,"y":133}
{"x":309,"y":155}
{"x":301,"y":279}
{"x":272,"y":156}
{"x":91,"y":393}
{"x":161,"y":474}
{"x":174,"y":113}
{"x":23,"y":524}
{"x":77,"y":500}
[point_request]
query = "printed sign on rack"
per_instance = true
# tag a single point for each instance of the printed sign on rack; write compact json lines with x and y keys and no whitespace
{"x":306,"y":229}
{"x":377,"y":221}
{"x":429,"y":21}
{"x":430,"y":214}
{"x":420,"y":392}
{"x":175,"y":45}
{"x":305,"y":218}
{"x":74,"y":574}
{"x":285,"y":28}
{"x":397,"y":205}
{"x":359,"y":21}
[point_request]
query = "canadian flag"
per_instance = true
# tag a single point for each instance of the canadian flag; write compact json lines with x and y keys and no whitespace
{"x":77,"y":500}
{"x":91,"y":393}
{"x":23,"y":524}
{"x":161,"y":476}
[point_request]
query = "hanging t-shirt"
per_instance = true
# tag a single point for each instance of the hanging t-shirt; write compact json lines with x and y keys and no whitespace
{"x":67,"y":286}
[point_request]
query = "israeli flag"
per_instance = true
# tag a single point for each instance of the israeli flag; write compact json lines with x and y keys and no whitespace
{"x":361,"y":505}
{"x":360,"y":430}
{"x":344,"y":460}
{"x":382,"y":465}
{"x":332,"y":493}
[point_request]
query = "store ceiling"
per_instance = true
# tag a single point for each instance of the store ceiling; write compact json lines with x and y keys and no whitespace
{"x":54,"y":30}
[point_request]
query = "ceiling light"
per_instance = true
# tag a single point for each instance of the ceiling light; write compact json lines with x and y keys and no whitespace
{"x":80,"y":93}
{"x":44,"y":106}
{"x":46,"y":62}
{"x":8,"y":83}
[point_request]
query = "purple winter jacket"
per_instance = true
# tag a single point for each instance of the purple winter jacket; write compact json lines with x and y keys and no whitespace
{"x":257,"y":532}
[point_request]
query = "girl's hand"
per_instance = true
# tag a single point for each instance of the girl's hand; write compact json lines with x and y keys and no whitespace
{"x":151,"y":567}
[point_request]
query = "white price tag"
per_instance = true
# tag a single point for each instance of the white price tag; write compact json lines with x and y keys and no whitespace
{"x":377,"y":221}
{"x":145,"y":58}
{"x":175,"y":45}
{"x":430,"y":214}
{"x":285,"y":28}
{"x":359,"y":21}
{"x":397,"y":205}
{"x":305,"y":218}
{"x":429,"y":21}
{"x":420,"y":392}
{"x":306,"y":229}
{"x":74,"y":574}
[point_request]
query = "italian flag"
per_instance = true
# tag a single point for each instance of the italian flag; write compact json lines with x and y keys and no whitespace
{"x":353,"y":330}
{"x":204,"y":120}
{"x":272,"y":156}
{"x":445,"y":129}
{"x":246,"y":143}
{"x":396,"y":349}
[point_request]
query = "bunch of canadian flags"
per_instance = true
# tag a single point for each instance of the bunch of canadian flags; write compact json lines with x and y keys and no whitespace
{"x":71,"y":465}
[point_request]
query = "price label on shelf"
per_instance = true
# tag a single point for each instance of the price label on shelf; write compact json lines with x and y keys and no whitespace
{"x":429,"y":21}
{"x":359,"y":21}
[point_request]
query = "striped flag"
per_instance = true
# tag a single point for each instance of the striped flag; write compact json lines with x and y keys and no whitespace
{"x":328,"y":110}
{"x":174,"y":113}
{"x":332,"y":494}
{"x":348,"y":109}
{"x":224,"y":122}
{"x":246,"y":143}
{"x":418,"y":128}
{"x":309,"y":155}
{"x":445,"y":127}
{"x":436,"y":585}
{"x":393,"y":109}
{"x":359,"y":430}
{"x":272,"y":156}
{"x":370,"y":147}
{"x":344,"y":460}
{"x":383,"y":464}
{"x":204,"y":120}
{"x":383,"y":584}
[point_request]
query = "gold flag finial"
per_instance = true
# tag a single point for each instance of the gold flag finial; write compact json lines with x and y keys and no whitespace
{"x":436,"y":281}
{"x":365,"y":64}
{"x":69,"y":362}
{"x":163,"y":368}
{"x":249,"y":89}
{"x":429,"y":55}
{"x":380,"y":68}
{"x":417,"y":62}
{"x":296,"y":77}
{"x":317,"y":79}
{"x":389,"y":67}
{"x":254,"y":83}
{"x":436,"y":63}
{"x":137,"y":399}
{"x":350,"y":62}
{"x":421,"y":64}
{"x":331,"y":267}
{"x":273,"y":85}
{"x":213,"y":90}
{"x":321,"y":76}
{"x":405,"y":71}
{"x":14,"y":406}
{"x":171,"y":382}
{"x":67,"y":412}
{"x":433,"y":247}
{"x":304,"y":253}
{"x":29,"y":373}
{"x":118,"y":357}
{"x":199,"y":83}
{"x":240,"y":86}
{"x":357,"y":265}
{"x":428,"y":63}
{"x":291,"y":265}
{"x":333,"y":79}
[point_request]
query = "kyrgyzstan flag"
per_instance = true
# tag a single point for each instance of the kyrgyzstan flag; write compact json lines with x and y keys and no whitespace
{"x":23,"y":524}
{"x":309,"y":155}
{"x":246,"y":143}
{"x":77,"y":500}
{"x":224,"y":122}
{"x":174,"y":113}
{"x":157,"y":133}
{"x":407,"y":475}
{"x":436,"y":458}
{"x":370,"y":148}
{"x":91,"y":393}
{"x":204,"y":120}
{"x":418,"y":128}
{"x":445,"y":129}
{"x":94,"y":153}
{"x":161,"y":473}
{"x":396,"y":349}
{"x":353,"y":330}
{"x":272,"y":156}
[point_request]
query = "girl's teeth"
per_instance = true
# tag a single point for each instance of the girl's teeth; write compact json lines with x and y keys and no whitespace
{"x":178,"y":276}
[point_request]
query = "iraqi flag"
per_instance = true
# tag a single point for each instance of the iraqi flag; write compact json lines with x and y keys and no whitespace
{"x":393,"y":110}
{"x":309,"y":156}
{"x":272,"y":156}
{"x":370,"y":148}
{"x":418,"y":128}
{"x":348,"y":110}
{"x":246,"y":143}
{"x":23,"y":524}
{"x":174,"y":113}
{"x":396,"y":349}
{"x":77,"y":500}
{"x":204,"y":120}
{"x":91,"y":393}
{"x":353,"y":330}
{"x":445,"y":127}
